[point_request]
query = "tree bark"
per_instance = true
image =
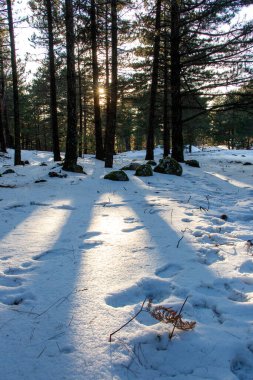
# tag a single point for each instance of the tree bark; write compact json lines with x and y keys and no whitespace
{"x":166,"y":119}
{"x":111,"y":130}
{"x":71,"y":143}
{"x":154,"y":82}
{"x":80,"y":101}
{"x":17,"y":129}
{"x":176,"y":102}
{"x":97,"y":113}
{"x":2,"y":137}
{"x":53,"y":98}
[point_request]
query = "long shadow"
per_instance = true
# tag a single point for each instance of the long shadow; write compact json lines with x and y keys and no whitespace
{"x":38,"y":293}
{"x":53,"y":316}
{"x":186,"y":276}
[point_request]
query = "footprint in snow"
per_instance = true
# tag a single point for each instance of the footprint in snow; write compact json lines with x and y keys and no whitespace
{"x":5,"y":258}
{"x":235,"y":295}
{"x":208,"y":256}
{"x":89,"y":244}
{"x":186,"y":220}
{"x":168,"y":270}
{"x":67,"y":349}
{"x":246,"y":267}
{"x":53,"y":253}
{"x":26,"y":264}
{"x":16,"y":299}
{"x":157,"y":289}
{"x":206,"y":311}
{"x":188,"y":213}
{"x":131,"y":220}
{"x":241,"y":368}
{"x":14,"y":271}
{"x":132,"y":229}
{"x":11,"y":282}
{"x":88,"y":235}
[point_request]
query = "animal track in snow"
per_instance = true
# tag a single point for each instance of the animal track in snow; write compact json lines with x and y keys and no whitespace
{"x":186,"y":220}
{"x":235,"y":295}
{"x":9,"y":281}
{"x":157,"y":289}
{"x":246,"y":267}
{"x":131,"y":220}
{"x":242,"y":368}
{"x":89,"y":235}
{"x":132,"y":229}
{"x":15,"y":298}
{"x":209,"y":256}
{"x":5,"y":258}
{"x":53,"y":253}
{"x":206,"y":311}
{"x":15,"y":271}
{"x":89,"y":244}
{"x":168,"y":270}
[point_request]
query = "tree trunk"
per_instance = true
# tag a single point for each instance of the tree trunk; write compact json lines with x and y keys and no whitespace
{"x":107,"y":70}
{"x":53,"y":99}
{"x":70,"y":162}
{"x":2,"y":137}
{"x":17,"y":155}
{"x":154,"y":82}
{"x":80,"y":101}
{"x":166,"y":120}
{"x":176,"y":102}
{"x":111,"y":130}
{"x":97,"y":114}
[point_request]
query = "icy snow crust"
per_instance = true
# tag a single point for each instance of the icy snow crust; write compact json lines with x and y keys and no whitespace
{"x":78,"y":256}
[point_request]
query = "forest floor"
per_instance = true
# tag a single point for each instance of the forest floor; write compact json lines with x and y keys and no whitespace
{"x":79,"y":255}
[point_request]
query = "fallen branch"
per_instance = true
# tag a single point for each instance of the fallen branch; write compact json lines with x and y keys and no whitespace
{"x":130,"y":320}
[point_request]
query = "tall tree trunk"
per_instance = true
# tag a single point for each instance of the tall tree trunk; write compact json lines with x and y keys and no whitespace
{"x":166,"y":119}
{"x":8,"y":137}
{"x":111,"y":130}
{"x":176,"y":102}
{"x":2,"y":137}
{"x":154,"y":82}
{"x":70,"y":162}
{"x":80,"y":101}
{"x":85,"y":145}
{"x":53,"y":99}
{"x":97,"y":114}
{"x":17,"y":155}
{"x":107,"y":70}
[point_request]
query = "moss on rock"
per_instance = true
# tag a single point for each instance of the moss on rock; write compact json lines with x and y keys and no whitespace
{"x":144,"y":171}
{"x":151,"y":162}
{"x":193,"y":163}
{"x":73,"y":168}
{"x":168,"y":165}
{"x":117,"y":175}
{"x":131,"y":166}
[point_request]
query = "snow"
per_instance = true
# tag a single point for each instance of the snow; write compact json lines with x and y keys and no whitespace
{"x":79,"y":255}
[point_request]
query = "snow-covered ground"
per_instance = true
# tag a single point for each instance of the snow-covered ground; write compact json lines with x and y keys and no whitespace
{"x":79,"y":255}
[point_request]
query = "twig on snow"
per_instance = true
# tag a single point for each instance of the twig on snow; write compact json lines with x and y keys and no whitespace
{"x":41,"y":352}
{"x":60,"y":301}
{"x":179,"y":313}
{"x":130,"y":320}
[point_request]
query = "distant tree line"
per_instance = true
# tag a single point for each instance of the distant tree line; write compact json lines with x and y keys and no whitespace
{"x":121,"y":75}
